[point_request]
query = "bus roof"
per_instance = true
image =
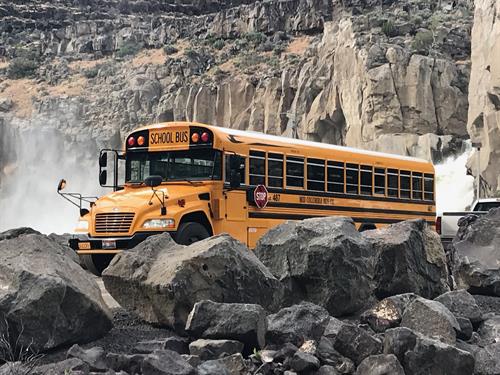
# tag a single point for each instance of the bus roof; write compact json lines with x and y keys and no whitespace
{"x":286,"y":140}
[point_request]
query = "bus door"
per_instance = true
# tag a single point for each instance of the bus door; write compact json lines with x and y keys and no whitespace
{"x":235,"y":198}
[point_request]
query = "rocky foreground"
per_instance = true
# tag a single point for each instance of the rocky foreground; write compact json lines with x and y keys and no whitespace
{"x":315,"y":297}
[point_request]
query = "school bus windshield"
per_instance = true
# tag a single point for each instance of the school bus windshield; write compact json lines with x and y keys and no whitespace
{"x":201,"y":164}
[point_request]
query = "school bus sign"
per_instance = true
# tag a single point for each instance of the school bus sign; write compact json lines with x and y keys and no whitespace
{"x":261,"y":196}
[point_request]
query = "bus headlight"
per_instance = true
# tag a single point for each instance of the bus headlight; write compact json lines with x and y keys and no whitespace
{"x":82,"y":225}
{"x":159,"y":223}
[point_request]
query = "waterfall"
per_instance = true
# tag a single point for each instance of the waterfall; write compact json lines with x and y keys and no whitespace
{"x":454,"y":188}
{"x":28,"y":186}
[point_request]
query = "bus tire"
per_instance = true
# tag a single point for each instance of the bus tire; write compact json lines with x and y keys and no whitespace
{"x":191,"y":232}
{"x":96,"y":263}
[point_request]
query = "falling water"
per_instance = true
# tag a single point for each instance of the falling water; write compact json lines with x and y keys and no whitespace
{"x":28,"y":190}
{"x":454,"y":188}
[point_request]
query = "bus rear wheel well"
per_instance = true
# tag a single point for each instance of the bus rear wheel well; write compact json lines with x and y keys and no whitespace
{"x":366,"y":226}
{"x":197,"y":217}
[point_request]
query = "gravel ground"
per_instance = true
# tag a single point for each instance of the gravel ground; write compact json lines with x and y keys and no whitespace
{"x":488,"y":304}
{"x":128,"y":330}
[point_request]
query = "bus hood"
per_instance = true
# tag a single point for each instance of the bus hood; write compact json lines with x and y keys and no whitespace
{"x":132,"y":198}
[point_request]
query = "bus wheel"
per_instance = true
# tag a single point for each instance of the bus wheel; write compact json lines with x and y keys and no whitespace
{"x":191,"y":232}
{"x":96,"y":263}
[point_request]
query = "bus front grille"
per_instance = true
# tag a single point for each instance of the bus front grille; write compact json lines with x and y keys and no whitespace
{"x":116,"y":222}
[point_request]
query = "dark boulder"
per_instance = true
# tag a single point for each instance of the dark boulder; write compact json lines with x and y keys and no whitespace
{"x":329,"y":356}
{"x":323,"y":260}
{"x":431,"y":319}
{"x":409,"y":258}
{"x":212,"y":349}
{"x":296,"y":324}
{"x":304,"y":362}
{"x":475,"y":255}
{"x":166,"y":362}
{"x":235,"y":321}
{"x":466,"y":329}
{"x":382,"y":364}
{"x":489,"y":331}
{"x":435,"y":357}
{"x":388,"y":312}
{"x":461,"y":304}
{"x":161,"y":281}
{"x":355,"y":343}
{"x":46,"y":299}
{"x":175,"y":343}
{"x":398,"y":341}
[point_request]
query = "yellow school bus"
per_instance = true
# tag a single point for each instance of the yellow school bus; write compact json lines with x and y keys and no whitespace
{"x":194,"y":180}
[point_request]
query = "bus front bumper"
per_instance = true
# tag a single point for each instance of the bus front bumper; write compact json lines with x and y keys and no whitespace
{"x":108,"y":245}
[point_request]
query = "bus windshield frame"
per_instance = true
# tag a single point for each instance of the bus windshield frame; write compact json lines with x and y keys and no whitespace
{"x":174,"y":165}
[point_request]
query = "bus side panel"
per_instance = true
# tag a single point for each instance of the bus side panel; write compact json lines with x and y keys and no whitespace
{"x":236,"y":214}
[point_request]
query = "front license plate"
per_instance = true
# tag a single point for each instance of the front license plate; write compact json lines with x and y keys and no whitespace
{"x":84,"y":245}
{"x":108,"y":244}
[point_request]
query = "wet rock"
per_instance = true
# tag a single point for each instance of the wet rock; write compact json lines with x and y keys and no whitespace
{"x":161,"y":281}
{"x":307,"y":257}
{"x":398,"y":341}
{"x":356,"y":344}
{"x":212,"y":349}
{"x":303,"y":362}
{"x":47,"y":299}
{"x":95,"y":357}
{"x":410,"y":258}
{"x":166,"y":362}
{"x":175,"y":343}
{"x":388,"y":312}
{"x":475,"y":255}
{"x":431,"y":319}
{"x":381,"y":364}
{"x":243,"y":322}
{"x":461,"y":304}
{"x":297,"y":323}
{"x":436,"y":357}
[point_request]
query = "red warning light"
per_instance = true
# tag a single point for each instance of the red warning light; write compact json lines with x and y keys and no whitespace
{"x":131,"y":141}
{"x":205,"y":137}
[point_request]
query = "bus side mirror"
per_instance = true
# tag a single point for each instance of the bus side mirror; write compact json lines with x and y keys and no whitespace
{"x":103,"y":177}
{"x":103,"y":160}
{"x":61,"y":185}
{"x":153,"y":181}
{"x":234,"y":179}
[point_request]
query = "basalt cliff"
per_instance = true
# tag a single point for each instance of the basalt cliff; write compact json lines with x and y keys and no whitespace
{"x":383,"y":75}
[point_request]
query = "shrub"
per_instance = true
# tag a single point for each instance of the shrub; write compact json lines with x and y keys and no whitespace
{"x":218,"y":44}
{"x":191,"y":53}
{"x":423,"y":41}
{"x":278,"y":50}
{"x":256,"y":38}
{"x":170,"y":49}
{"x":21,"y":67}
{"x":129,"y":48}
{"x":91,"y":72}
{"x":388,"y":28}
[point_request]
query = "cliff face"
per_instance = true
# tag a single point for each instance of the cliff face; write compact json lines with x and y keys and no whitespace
{"x":385,"y":75}
{"x":484,"y":98}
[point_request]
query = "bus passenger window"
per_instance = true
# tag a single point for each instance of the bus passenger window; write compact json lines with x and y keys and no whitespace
{"x":393,"y":183}
{"x":404,"y":178}
{"x":295,"y":171}
{"x":379,"y":181}
{"x":275,"y":170}
{"x":352,"y":178}
{"x":366,"y":180}
{"x":416,"y":181}
{"x":257,"y":166}
{"x":428,"y":187}
{"x":315,"y":174}
{"x":336,"y":176}
{"x":228,"y":169}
